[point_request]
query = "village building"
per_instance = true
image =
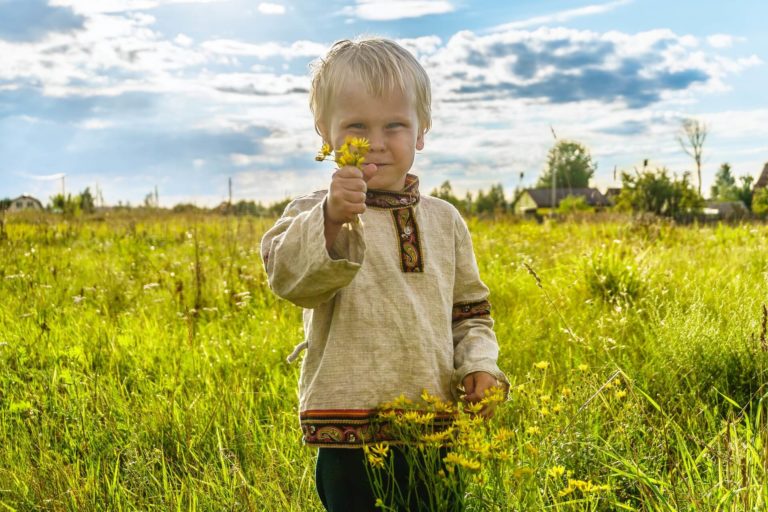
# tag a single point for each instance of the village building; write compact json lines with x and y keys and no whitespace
{"x":762,"y":181}
{"x":25,"y":202}
{"x":533,"y":199}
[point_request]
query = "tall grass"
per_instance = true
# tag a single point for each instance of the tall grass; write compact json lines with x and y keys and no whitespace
{"x":142,"y":367}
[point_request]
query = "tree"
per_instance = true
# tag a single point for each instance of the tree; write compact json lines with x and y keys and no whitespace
{"x":744,"y":191}
{"x":87,"y":203}
{"x":724,"y":188}
{"x":760,"y":202}
{"x":491,"y":203}
{"x":5,"y":203}
{"x":571,"y":165}
{"x":694,"y":133}
{"x":573,"y":204}
{"x":445,"y":192}
{"x":657,"y":192}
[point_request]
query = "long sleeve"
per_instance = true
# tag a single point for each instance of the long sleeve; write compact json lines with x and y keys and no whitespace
{"x":475,"y":345}
{"x":299,"y":267}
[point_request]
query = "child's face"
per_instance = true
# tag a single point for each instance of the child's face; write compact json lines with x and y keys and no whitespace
{"x":389,"y":122}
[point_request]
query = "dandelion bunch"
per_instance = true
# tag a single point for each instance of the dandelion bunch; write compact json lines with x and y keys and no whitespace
{"x":352,"y":152}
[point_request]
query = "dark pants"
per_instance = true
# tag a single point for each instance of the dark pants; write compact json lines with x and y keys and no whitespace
{"x":343,"y":484}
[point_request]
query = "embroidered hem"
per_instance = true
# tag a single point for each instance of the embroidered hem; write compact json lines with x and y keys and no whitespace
{"x":353,"y":428}
{"x":465,"y":310}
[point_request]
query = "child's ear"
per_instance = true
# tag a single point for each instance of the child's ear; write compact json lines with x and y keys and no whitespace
{"x":420,"y":141}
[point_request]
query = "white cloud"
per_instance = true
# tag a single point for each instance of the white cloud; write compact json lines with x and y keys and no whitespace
{"x":270,"y":8}
{"x":115,"y":6}
{"x":723,"y":40}
{"x":387,"y":10}
{"x":297,"y":49}
{"x":562,"y":16}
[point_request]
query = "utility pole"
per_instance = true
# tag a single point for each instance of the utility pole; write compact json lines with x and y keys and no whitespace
{"x":157,"y":198}
{"x":554,"y":179}
{"x":230,"y":191}
{"x":63,"y":186}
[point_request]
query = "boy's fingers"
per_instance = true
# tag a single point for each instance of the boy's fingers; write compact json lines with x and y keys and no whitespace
{"x":369,"y":171}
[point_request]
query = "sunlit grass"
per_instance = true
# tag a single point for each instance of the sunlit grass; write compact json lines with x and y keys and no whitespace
{"x":142,"y":367}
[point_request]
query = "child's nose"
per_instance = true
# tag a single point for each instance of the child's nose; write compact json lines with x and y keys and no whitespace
{"x":376,"y":139}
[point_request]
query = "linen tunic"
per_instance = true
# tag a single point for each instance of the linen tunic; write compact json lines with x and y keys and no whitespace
{"x":394,"y":308}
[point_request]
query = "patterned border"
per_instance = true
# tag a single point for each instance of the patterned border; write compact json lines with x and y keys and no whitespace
{"x":465,"y":310}
{"x":352,"y":428}
{"x":411,"y":256}
{"x":389,"y":200}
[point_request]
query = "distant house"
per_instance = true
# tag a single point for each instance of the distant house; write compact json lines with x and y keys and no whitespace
{"x":762,"y":181}
{"x":612,"y":194}
{"x":533,"y":199}
{"x":25,"y":202}
{"x":726,"y":210}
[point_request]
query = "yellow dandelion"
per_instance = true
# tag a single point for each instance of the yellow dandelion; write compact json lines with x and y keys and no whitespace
{"x":620,"y":394}
{"x":541,"y":365}
{"x":360,"y":144}
{"x":380,"y":449}
{"x":583,"y":367}
{"x":533,"y":429}
{"x":503,"y":435}
{"x":437,"y":437}
{"x":567,"y":392}
{"x":375,"y":461}
{"x":544,"y":411}
{"x":457,"y":459}
{"x":324,"y":152}
{"x":557,"y":408}
{"x":556,"y":471}
{"x":545,"y":398}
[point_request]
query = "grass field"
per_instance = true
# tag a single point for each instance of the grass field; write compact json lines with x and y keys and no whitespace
{"x":142,"y":367}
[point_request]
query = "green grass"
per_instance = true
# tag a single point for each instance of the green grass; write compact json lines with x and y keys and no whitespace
{"x":142,"y":367}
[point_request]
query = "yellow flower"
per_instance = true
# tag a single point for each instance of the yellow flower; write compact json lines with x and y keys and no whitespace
{"x":325,"y":150}
{"x":533,"y":429}
{"x":621,"y":394}
{"x":556,"y":471}
{"x":544,"y":398}
{"x":459,"y":460}
{"x":583,"y":367}
{"x":360,"y":143}
{"x":544,"y":411}
{"x":437,"y":437}
{"x":380,"y":449}
{"x":374,"y":461}
{"x":557,"y":408}
{"x":541,"y":365}
{"x":567,"y":392}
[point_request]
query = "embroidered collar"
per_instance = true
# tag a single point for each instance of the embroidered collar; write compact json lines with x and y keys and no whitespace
{"x":388,"y":199}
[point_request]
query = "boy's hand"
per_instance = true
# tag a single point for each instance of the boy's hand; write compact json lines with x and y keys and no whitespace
{"x":475,"y":386}
{"x":346,"y":197}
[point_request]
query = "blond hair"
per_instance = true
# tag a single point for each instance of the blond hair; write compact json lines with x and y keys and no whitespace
{"x":381,"y":64}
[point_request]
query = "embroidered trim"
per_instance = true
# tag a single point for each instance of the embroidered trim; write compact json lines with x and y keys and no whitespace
{"x":411,"y":257}
{"x":465,"y":310}
{"x":387,"y":199}
{"x":353,"y":428}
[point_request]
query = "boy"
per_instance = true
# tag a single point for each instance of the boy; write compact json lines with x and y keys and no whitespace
{"x":393,"y":299}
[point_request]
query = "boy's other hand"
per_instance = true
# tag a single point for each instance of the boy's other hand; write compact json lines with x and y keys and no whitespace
{"x":346,"y":197}
{"x":476,"y":384}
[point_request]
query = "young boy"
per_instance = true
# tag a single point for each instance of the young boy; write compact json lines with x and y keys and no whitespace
{"x":393,"y":299}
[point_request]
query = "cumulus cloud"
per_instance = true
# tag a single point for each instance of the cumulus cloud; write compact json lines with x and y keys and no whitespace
{"x":566,"y":66}
{"x":388,"y":10}
{"x":33,"y":20}
{"x":270,"y":8}
{"x":297,"y":49}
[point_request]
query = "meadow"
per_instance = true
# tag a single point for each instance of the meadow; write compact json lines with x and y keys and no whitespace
{"x":143,"y":367}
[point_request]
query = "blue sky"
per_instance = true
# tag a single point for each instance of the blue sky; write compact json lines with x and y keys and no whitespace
{"x":129,"y":95}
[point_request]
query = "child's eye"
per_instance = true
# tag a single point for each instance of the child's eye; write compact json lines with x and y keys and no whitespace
{"x":356,"y":126}
{"x":395,"y":125}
